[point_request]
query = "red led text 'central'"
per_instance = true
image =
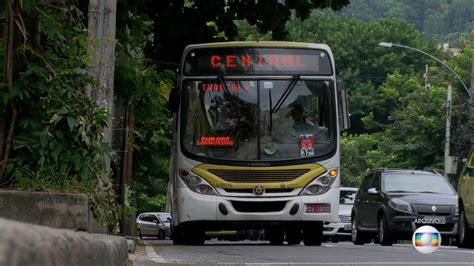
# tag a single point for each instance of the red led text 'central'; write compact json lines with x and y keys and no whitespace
{"x":248,"y":61}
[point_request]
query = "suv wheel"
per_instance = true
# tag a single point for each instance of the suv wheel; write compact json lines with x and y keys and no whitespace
{"x":357,"y":237}
{"x":139,"y":234}
{"x":465,"y":234}
{"x":385,"y":237}
{"x":313,"y":234}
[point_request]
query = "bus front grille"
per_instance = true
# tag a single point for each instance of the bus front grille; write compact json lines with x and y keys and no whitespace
{"x":250,"y":190}
{"x":258,"y":176}
{"x":258,"y":206}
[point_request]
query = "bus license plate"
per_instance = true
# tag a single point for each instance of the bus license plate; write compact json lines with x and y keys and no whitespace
{"x":318,"y":208}
{"x":348,"y":227}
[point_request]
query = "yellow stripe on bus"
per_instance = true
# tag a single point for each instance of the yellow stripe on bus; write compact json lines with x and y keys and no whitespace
{"x":315,"y":170}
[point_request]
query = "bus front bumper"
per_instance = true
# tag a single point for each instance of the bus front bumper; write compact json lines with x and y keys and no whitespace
{"x":197,"y":207}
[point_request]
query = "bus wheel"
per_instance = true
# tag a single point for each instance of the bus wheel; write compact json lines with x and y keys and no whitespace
{"x":178,"y":238}
{"x":293,"y":235}
{"x":194,"y":235}
{"x":313,"y":234}
{"x":276,"y":236}
{"x":465,"y":234}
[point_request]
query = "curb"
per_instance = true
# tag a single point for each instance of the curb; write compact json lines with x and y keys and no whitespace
{"x":28,"y":244}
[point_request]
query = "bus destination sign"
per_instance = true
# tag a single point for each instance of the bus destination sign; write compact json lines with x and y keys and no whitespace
{"x":257,"y":61}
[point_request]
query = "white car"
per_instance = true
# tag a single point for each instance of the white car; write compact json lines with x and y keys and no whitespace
{"x":342,"y":229}
{"x":154,"y":224}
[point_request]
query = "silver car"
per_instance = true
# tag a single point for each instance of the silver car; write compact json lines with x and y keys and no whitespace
{"x":342,"y":229}
{"x":154,"y":224}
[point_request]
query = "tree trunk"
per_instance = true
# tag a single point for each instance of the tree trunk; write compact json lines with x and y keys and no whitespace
{"x":8,"y":77}
{"x":101,"y":39}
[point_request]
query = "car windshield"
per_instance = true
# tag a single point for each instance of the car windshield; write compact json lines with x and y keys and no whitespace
{"x":347,"y":197}
{"x":258,"y":120}
{"x":165,"y":217}
{"x":416,"y":183}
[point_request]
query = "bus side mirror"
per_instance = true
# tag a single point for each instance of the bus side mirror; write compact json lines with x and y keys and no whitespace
{"x":343,"y":106}
{"x":173,"y":101}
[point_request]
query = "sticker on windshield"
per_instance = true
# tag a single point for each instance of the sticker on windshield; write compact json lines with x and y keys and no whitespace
{"x":306,"y":143}
{"x":268,"y":85}
{"x":269,"y":148}
{"x":215,"y":141}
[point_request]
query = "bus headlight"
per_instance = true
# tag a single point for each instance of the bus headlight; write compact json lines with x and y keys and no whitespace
{"x":198,"y":185}
{"x":321,"y":184}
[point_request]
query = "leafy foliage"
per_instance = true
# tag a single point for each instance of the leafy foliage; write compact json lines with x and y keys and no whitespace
{"x":58,"y":145}
{"x":179,"y":23}
{"x":396,"y":122}
{"x":145,"y":91}
{"x":445,"y":21}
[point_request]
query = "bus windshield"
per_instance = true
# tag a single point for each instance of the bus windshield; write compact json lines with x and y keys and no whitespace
{"x":258,"y":119}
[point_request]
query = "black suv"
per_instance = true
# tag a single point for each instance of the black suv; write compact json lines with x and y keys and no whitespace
{"x":394,"y":203}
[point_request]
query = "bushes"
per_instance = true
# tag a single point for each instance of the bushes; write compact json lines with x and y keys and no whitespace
{"x":58,"y":144}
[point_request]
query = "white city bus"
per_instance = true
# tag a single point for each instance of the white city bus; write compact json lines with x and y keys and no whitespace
{"x":256,"y":141}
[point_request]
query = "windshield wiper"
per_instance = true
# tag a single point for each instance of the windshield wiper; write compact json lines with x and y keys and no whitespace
{"x":400,"y":191}
{"x":227,"y":93}
{"x":286,"y":93}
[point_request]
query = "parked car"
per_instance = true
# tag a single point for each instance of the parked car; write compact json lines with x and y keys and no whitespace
{"x":342,"y":229}
{"x":154,"y":224}
{"x":392,"y":204}
{"x":466,"y":203}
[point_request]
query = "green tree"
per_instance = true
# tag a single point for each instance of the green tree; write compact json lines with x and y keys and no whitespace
{"x":360,"y":62}
{"x":178,"y":23}
{"x":56,"y":130}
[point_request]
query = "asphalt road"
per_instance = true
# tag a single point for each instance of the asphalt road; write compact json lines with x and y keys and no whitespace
{"x":154,"y":252}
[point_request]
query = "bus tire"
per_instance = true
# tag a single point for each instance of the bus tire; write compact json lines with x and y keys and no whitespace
{"x":194,"y":235}
{"x":293,"y":235}
{"x":178,"y":235}
{"x":276,"y":236}
{"x":465,"y":234}
{"x":313,"y":234}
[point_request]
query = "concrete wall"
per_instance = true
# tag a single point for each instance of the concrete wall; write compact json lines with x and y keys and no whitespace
{"x":27,"y":244}
{"x":59,"y":210}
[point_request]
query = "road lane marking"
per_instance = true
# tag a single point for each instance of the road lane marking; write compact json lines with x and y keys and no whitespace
{"x":350,"y":263}
{"x":150,"y":251}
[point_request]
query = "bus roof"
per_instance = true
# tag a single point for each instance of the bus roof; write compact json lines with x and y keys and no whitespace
{"x":259,"y":44}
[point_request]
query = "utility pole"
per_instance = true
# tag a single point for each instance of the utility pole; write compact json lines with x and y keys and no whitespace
{"x":471,"y":106}
{"x":101,"y":45}
{"x":447,"y":160}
